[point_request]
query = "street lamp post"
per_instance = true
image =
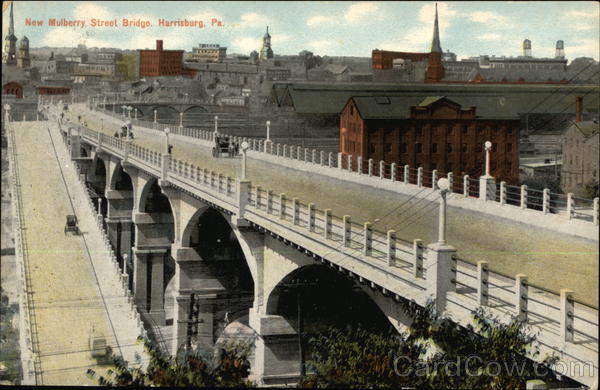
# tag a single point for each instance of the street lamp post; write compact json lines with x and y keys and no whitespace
{"x":268,"y":131}
{"x":135,"y":110}
{"x":167,"y":131}
{"x":216,"y":125}
{"x":244,"y":146}
{"x":488,"y":148}
{"x":123,"y":108}
{"x":155,"y":123}
{"x":444,"y":186}
{"x":128,"y":125}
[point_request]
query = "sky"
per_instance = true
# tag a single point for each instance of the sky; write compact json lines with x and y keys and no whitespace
{"x":335,"y":28}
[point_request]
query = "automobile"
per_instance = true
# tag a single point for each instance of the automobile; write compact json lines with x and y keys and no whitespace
{"x":224,"y":145}
{"x":71,"y":224}
{"x":98,"y":347}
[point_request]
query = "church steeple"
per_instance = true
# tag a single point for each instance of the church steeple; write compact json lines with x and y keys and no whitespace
{"x":266,"y":52}
{"x":436,"y":47}
{"x":11,"y":26}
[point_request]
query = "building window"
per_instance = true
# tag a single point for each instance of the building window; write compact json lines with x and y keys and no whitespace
{"x":434,"y":148}
{"x":419,"y":131}
{"x":509,"y":147}
{"x":480,"y":130}
{"x":388,"y":148}
{"x":371,"y":148}
{"x":465,"y":129}
{"x":433,"y":166}
{"x":508,"y":167}
{"x":494,"y":147}
{"x":510,"y":131}
{"x":450,"y":130}
{"x":351,"y":110}
{"x":403,"y":148}
{"x":418,"y":147}
{"x":464,"y":148}
{"x":449,"y":147}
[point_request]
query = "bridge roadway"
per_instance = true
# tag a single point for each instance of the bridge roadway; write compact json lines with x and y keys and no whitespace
{"x":68,"y":274}
{"x":549,"y":259}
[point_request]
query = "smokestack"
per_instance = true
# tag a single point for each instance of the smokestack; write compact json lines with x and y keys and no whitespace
{"x":159,"y":44}
{"x":560,"y":49}
{"x":578,"y":109}
{"x":527,"y":48}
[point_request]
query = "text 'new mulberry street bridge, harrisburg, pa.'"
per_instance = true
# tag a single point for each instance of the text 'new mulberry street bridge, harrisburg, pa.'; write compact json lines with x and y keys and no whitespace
{"x":403,"y":233}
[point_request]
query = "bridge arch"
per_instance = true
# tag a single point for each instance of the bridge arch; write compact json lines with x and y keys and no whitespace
{"x":120,"y":180}
{"x":195,"y":109}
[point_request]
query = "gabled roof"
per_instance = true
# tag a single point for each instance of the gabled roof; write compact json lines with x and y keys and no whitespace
{"x":587,"y":128}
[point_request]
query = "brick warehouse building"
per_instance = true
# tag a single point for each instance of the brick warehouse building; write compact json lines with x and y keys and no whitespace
{"x":433,"y":133}
{"x":161,"y":62}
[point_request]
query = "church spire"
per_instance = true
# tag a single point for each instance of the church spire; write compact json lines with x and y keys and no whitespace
{"x":435,"y":43}
{"x":11,"y":26}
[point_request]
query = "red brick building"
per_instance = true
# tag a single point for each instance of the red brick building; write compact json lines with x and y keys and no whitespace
{"x":161,"y":62}
{"x":13,"y":88}
{"x":435,"y":133}
{"x":52,"y":90}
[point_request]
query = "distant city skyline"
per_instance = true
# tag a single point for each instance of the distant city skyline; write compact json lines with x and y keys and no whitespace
{"x":326,"y":28}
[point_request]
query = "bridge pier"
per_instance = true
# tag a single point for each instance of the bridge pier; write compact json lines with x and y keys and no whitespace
{"x":148,"y":282}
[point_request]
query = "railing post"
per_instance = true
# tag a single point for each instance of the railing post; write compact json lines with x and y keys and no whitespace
{"x":440,"y":277}
{"x":420,"y":177}
{"x":381,"y":169}
{"x":406,"y":174}
{"x":524,"y":196}
{"x":482,"y":283}
{"x":359,"y":163}
{"x":314,"y":156}
{"x":566,"y":315}
{"x":466,"y":186}
{"x":418,"y":258}
{"x":311,"y":217}
{"x":370,"y":167}
{"x":521,"y":296}
{"x":391,"y":247}
{"x":393,"y":172}
{"x":282,"y":206}
{"x":367,"y":238}
{"x":330,"y":159}
{"x":166,"y":160}
{"x":546,"y":201}
{"x":502,"y":192}
{"x":321,"y":158}
{"x":243,"y":193}
{"x":285,"y":154}
{"x":305,"y":154}
{"x":296,"y":211}
{"x":595,"y":217}
{"x":257,"y":197}
{"x":349,"y":163}
{"x":278,"y":148}
{"x":570,"y":205}
{"x":434,"y":178}
{"x":326,"y":223}
{"x":347,"y":237}
{"x":450,"y":178}
{"x":339,"y":160}
{"x":269,"y":201}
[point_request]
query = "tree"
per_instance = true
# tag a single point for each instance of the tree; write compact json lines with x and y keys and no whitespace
{"x":228,"y":368}
{"x":434,"y":353}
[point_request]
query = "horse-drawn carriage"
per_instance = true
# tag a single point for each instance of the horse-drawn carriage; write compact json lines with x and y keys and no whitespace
{"x":71,"y":224}
{"x":224,"y":145}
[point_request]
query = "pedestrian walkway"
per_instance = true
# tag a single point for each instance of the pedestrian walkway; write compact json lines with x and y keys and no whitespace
{"x":73,"y":282}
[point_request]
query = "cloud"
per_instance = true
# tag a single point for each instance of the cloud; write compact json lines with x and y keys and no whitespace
{"x":581,"y":15}
{"x":486,"y":17}
{"x":92,"y":10}
{"x":278,"y":39}
{"x":319,"y":20}
{"x":490,"y":37}
{"x":252,"y":20}
{"x":73,"y":37}
{"x":246,"y":44}
{"x":173,"y":39}
{"x":206,"y":16}
{"x":586,"y":47}
{"x":361,"y":12}
{"x":320,"y":44}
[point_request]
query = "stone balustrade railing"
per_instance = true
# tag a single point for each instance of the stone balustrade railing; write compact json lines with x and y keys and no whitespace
{"x":30,"y":360}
